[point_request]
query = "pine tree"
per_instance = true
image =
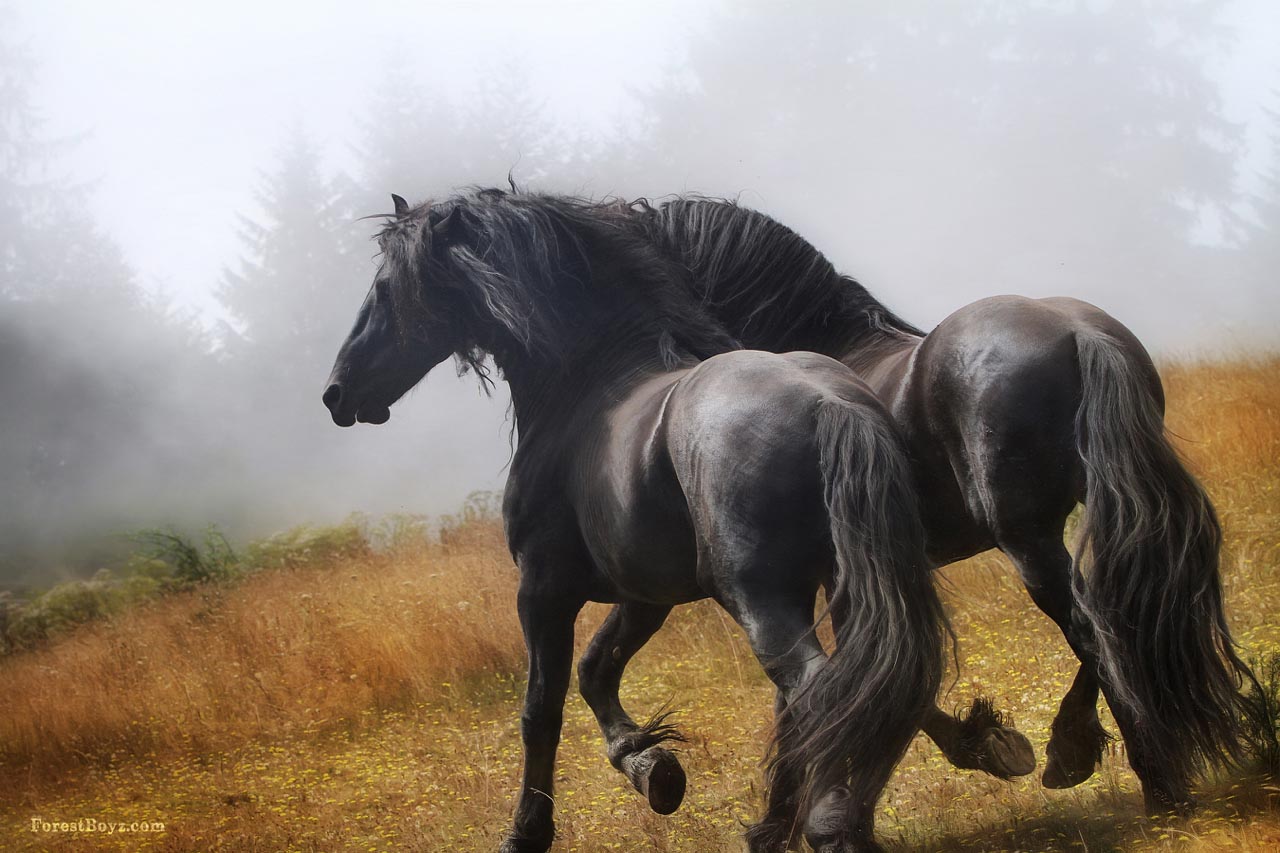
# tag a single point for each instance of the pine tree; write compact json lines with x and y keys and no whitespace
{"x":286,"y":293}
{"x":408,"y":144}
{"x":49,"y":248}
{"x":1261,"y":248}
{"x":996,"y":147}
{"x":421,"y":145}
{"x":101,"y":376}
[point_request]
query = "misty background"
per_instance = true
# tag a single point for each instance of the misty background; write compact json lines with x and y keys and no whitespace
{"x":180,"y":191}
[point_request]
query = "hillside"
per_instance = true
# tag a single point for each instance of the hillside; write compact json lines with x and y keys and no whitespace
{"x":366,"y":698}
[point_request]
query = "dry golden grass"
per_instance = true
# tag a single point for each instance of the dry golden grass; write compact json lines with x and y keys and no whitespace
{"x":302,"y":650}
{"x":373,"y":706}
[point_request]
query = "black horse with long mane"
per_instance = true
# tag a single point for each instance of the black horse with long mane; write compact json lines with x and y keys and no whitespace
{"x":1015,"y":410}
{"x":656,"y":465}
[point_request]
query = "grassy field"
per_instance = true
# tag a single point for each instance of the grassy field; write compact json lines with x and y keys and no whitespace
{"x":371,"y":703}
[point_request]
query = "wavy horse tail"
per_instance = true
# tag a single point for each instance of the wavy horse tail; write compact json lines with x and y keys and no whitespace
{"x":1147,"y":569}
{"x":860,"y":710}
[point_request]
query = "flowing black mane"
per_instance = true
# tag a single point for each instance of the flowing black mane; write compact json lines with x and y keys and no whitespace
{"x":764,"y":280}
{"x":546,"y":269}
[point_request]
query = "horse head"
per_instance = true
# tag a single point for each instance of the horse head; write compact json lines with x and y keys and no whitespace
{"x":409,"y":322}
{"x":526,"y":278}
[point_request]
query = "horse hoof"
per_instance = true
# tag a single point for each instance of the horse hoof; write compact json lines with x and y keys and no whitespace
{"x":656,"y":773}
{"x":984,"y":742}
{"x":846,"y":846}
{"x":1162,"y":804}
{"x":769,"y":837}
{"x":1007,"y":753}
{"x":827,"y":818}
{"x":518,"y":844}
{"x":827,"y":828}
{"x":1058,"y":776}
{"x":1073,"y":754}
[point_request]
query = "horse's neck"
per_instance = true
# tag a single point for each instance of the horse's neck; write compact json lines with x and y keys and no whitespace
{"x":881,"y":362}
{"x":864,"y":353}
{"x":583,"y":383}
{"x":851,"y":328}
{"x":622,"y":330}
{"x":849,"y":334}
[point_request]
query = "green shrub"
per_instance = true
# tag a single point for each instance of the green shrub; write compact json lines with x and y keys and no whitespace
{"x":167,"y":560}
{"x":1262,"y":715}
{"x":480,"y":507}
{"x":403,"y":533}
{"x":64,"y":606}
{"x":188,"y":563}
{"x":481,"y":513}
{"x":307,"y":545}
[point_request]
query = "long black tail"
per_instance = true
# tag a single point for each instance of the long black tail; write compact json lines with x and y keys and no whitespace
{"x":850,"y":724}
{"x":1148,"y":569}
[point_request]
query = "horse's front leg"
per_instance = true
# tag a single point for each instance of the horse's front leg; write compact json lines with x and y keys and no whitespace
{"x":633,"y":749}
{"x":547,"y":614}
{"x":980,"y":740}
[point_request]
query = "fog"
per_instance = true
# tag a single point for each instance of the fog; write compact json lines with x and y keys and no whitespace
{"x":180,"y":193}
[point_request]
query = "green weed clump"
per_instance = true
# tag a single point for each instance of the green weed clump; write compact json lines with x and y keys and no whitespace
{"x":60,"y":608}
{"x":311,"y":546}
{"x":1262,"y":717}
{"x":165,"y":561}
{"x":188,"y":563}
{"x":168,"y":561}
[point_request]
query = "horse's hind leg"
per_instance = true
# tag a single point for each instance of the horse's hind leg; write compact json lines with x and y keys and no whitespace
{"x":1077,"y":737}
{"x":1077,"y":740}
{"x":783,"y":640}
{"x":633,"y":749}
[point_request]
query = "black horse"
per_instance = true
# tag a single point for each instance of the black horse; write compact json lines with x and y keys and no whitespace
{"x":1014,"y":411}
{"x":655,"y":466}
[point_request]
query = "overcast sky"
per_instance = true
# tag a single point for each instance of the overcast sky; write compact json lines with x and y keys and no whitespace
{"x":181,"y":106}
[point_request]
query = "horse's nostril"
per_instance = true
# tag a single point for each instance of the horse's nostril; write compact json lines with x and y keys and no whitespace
{"x":332,"y":395}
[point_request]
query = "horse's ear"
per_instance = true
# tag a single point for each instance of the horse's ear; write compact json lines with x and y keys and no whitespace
{"x":449,"y":229}
{"x":402,"y":206}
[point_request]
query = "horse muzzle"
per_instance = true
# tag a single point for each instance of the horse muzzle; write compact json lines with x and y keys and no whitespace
{"x":333,"y":400}
{"x":373,"y":415}
{"x":345,"y":414}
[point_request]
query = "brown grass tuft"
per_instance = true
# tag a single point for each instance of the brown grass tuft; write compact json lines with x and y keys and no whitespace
{"x":299,"y":650}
